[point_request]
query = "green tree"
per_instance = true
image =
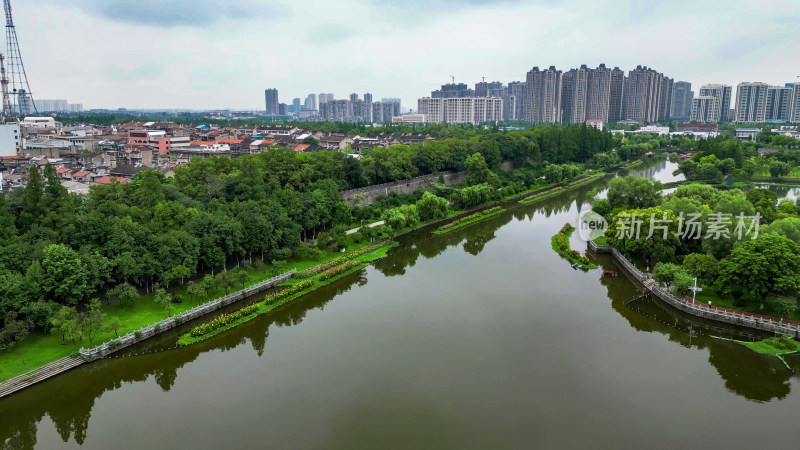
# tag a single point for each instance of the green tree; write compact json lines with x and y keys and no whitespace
{"x":789,"y":227}
{"x":630,"y":233}
{"x":149,"y":193}
{"x":65,"y":322}
{"x":124,"y":292}
{"x":7,"y":227}
{"x":114,"y":324}
{"x":431,"y":207}
{"x":762,"y":266}
{"x":32,"y":210}
{"x":164,"y":300}
{"x":633,"y":192}
{"x":784,"y":306}
{"x":209,"y":284}
{"x":64,"y":278}
{"x":778,"y":169}
{"x":666,"y":273}
{"x":13,"y":331}
{"x":701,"y":265}
{"x":92,"y":323}
{"x":196,"y":290}
{"x":478,"y":171}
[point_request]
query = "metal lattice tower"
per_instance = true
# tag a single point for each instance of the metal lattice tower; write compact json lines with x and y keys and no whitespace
{"x":18,"y":79}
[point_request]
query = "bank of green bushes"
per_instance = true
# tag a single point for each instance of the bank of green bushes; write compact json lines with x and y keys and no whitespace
{"x":472,"y":218}
{"x":560,"y":243}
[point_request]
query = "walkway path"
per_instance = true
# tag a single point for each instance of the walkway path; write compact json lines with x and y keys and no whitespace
{"x":371,"y":225}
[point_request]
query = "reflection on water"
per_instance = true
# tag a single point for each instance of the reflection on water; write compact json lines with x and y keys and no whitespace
{"x":471,"y":338}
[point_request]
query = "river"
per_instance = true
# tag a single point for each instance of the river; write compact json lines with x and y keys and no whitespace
{"x":480,"y":338}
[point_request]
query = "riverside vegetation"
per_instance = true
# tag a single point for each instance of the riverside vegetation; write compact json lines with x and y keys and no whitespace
{"x":560,"y":243}
{"x":150,"y":247}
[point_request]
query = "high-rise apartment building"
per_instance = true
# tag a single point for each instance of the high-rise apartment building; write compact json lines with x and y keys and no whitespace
{"x":616,"y":95}
{"x":705,"y":108}
{"x":751,"y":102}
{"x":779,"y":100}
{"x":517,"y":90}
{"x":353,"y":98}
{"x":543,"y":104}
{"x":311,"y":102}
{"x":568,"y":94}
{"x":461,"y":109}
{"x":271,"y":97}
{"x":598,"y":102}
{"x":682,"y":105}
{"x":647,"y":95}
{"x":723,"y":94}
{"x":368,"y":97}
{"x":794,"y":104}
{"x":296,"y":105}
{"x":453,"y":90}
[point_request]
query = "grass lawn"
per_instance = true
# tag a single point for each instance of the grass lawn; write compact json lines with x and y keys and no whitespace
{"x":726,"y":301}
{"x":39,"y":349}
{"x":764,"y":173}
{"x":777,"y":346}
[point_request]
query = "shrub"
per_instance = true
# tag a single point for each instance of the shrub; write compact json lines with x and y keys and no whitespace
{"x":137,"y":334}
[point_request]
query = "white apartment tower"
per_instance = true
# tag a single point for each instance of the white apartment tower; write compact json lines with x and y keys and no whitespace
{"x":751,"y":102}
{"x":723,"y":94}
{"x":705,"y":108}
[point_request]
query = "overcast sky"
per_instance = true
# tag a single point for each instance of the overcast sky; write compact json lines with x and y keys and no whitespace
{"x":206,"y":54}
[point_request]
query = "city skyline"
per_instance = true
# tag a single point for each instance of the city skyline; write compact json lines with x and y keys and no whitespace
{"x":751,"y":47}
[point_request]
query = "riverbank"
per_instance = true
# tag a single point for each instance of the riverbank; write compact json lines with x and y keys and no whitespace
{"x":560,"y":243}
{"x":294,"y":291}
{"x":559,"y":190}
{"x":777,"y":347}
{"x":469,"y":220}
{"x":696,"y":308}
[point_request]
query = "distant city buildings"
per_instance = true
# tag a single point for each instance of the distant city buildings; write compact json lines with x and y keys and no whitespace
{"x":461,"y":109}
{"x":705,"y":109}
{"x":722,"y":93}
{"x":682,"y":97}
{"x":57,"y":106}
{"x":271,"y":98}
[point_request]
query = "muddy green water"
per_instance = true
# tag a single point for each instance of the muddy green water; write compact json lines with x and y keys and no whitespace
{"x":481,"y":338}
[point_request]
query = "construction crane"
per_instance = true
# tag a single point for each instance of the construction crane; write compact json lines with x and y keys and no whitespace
{"x":18,"y":79}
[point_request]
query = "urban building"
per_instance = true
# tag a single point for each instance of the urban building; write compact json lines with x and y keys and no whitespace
{"x":647,"y":95}
{"x":461,"y":109}
{"x":368,"y":97}
{"x":453,"y":90}
{"x":543,"y":104}
{"x":682,"y":97}
{"x":751,"y":102}
{"x":794,"y":105}
{"x":311,"y":102}
{"x":778,"y":103}
{"x":517,"y":90}
{"x":705,"y":109}
{"x":271,"y":97}
{"x":616,"y":95}
{"x":723,"y":94}
{"x":10,"y":139}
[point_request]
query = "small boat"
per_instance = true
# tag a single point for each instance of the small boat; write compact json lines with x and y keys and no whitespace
{"x":609,"y":273}
{"x":574,"y":265}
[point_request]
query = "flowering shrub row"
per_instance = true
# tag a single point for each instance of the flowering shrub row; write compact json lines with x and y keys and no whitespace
{"x":343,"y":259}
{"x":562,"y":243}
{"x":278,"y":296}
{"x":334,"y":271}
{"x":463,"y":220}
{"x":223,"y":321}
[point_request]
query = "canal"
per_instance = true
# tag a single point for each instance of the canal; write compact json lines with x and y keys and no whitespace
{"x":479,"y":338}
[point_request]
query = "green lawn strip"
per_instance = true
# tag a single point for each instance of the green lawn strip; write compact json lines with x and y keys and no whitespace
{"x":776,"y":346}
{"x":562,"y":189}
{"x":469,"y":220}
{"x":568,"y":256}
{"x":601,"y":241}
{"x":39,"y":349}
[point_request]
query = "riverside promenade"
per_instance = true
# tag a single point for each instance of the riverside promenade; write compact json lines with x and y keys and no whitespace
{"x":699,"y":309}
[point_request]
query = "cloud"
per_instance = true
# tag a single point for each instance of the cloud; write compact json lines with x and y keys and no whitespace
{"x":171,"y":13}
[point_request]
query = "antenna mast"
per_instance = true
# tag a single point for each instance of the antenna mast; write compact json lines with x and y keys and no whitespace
{"x":16,"y":69}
